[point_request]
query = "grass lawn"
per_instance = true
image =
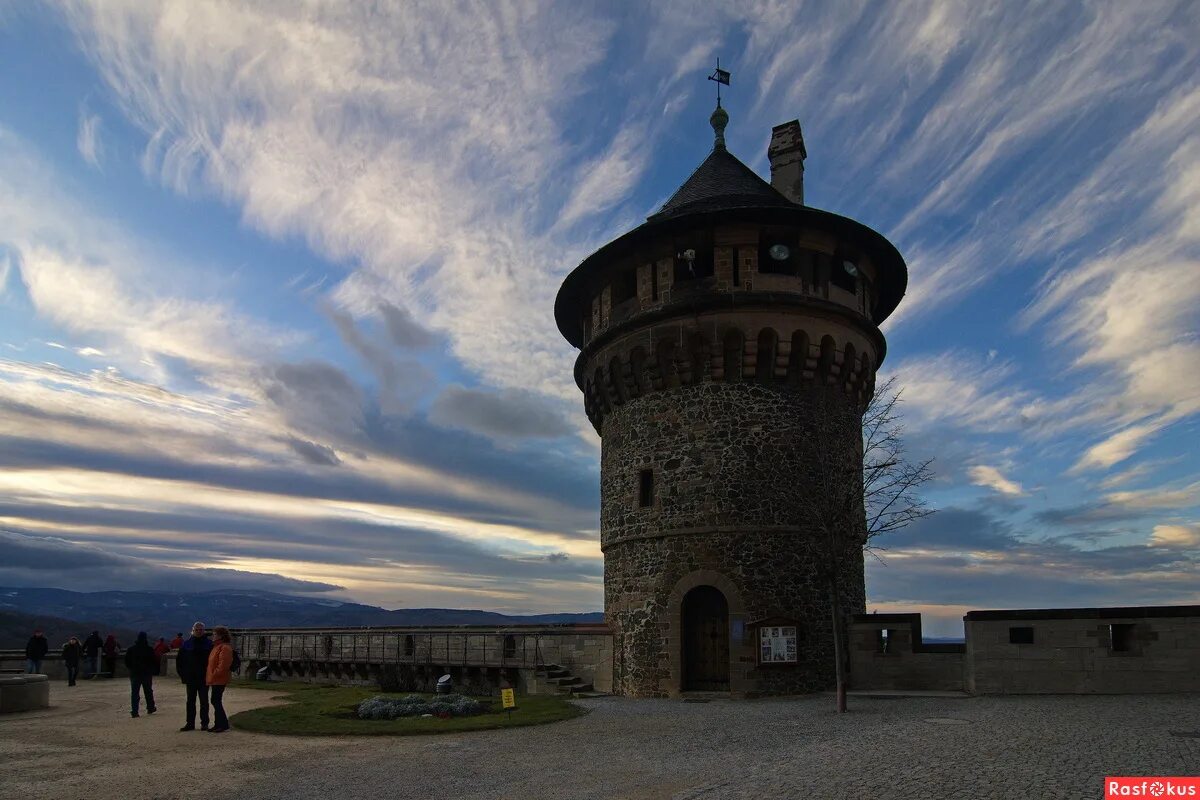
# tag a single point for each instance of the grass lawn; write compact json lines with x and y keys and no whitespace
{"x":330,"y":711}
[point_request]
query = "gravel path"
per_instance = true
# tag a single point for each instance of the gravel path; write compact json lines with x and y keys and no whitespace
{"x":998,"y":747}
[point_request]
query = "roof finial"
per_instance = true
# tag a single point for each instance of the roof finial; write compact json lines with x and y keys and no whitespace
{"x":719,"y":118}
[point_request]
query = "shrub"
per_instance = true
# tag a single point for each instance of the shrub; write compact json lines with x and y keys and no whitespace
{"x":414,"y":705}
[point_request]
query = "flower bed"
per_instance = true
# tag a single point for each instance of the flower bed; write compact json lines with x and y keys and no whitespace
{"x":414,"y":705}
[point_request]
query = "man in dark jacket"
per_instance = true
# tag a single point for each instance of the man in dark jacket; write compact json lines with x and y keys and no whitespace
{"x":192,"y":664}
{"x":71,"y":653}
{"x":35,"y":651}
{"x":142,"y":665}
{"x":91,"y":651}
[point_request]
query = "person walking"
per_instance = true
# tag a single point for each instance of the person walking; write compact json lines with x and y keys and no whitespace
{"x":161,"y":648}
{"x":177,"y":642}
{"x":91,"y":650}
{"x":35,"y":651}
{"x":220,"y":664}
{"x":112,"y":648}
{"x":72,"y":652}
{"x":142,"y":665}
{"x":192,"y":665}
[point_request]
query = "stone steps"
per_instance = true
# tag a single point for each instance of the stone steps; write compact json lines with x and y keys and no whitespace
{"x":566,"y":683}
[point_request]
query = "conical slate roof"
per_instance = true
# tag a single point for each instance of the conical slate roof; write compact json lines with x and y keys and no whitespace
{"x":721,"y":182}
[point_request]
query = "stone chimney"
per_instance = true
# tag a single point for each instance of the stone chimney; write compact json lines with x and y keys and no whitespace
{"x":787,"y":155}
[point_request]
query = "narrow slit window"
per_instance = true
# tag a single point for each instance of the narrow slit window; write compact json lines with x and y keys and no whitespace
{"x":646,"y":488}
{"x":1020,"y":635}
{"x":410,"y":645}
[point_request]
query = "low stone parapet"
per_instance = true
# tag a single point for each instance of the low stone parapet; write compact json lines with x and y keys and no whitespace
{"x":23,"y":693}
{"x":888,"y":652}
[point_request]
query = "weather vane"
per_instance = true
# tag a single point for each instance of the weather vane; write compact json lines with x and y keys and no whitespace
{"x":721,"y":76}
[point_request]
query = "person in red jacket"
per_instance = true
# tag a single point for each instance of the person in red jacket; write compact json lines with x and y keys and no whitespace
{"x":220,"y":665}
{"x":112,"y":649}
{"x":177,"y":642}
{"x":160,"y":650}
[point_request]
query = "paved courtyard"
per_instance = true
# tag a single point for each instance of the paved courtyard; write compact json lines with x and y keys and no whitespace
{"x":87,"y":747}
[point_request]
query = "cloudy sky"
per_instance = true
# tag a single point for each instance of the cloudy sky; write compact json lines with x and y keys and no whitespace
{"x":276,"y":282}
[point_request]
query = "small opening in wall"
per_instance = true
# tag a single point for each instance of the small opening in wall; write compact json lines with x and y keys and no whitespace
{"x":410,"y":645}
{"x":625,"y":286}
{"x":844,"y":274}
{"x":1020,"y":635}
{"x":510,"y":646}
{"x":694,"y":256}
{"x":646,"y":488}
{"x":778,"y":253}
{"x":1120,"y":636}
{"x":884,"y":641}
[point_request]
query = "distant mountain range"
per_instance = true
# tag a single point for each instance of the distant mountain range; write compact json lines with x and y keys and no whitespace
{"x":16,"y":628}
{"x":165,"y":613}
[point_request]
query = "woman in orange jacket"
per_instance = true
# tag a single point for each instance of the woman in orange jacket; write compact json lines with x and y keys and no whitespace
{"x":220,"y":661}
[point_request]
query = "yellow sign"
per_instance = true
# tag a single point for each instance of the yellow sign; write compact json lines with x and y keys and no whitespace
{"x":507,"y":698}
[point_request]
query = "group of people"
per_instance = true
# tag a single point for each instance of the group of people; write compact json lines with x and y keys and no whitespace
{"x":204,"y":665}
{"x":87,"y":653}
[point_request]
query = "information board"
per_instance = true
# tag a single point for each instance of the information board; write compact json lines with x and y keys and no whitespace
{"x":777,"y":644}
{"x":507,"y":698}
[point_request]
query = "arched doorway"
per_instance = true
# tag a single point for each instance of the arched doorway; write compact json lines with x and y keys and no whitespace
{"x":705,"y":626}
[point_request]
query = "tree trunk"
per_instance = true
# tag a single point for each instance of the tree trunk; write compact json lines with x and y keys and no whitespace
{"x":839,"y":660}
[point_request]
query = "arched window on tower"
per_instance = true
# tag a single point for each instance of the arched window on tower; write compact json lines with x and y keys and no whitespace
{"x":637,"y":368}
{"x":733,"y":346}
{"x":664,"y":351}
{"x":798,"y":358}
{"x":602,"y":400}
{"x":698,"y":357}
{"x":617,"y":374}
{"x":764,"y":365}
{"x":828,"y":356}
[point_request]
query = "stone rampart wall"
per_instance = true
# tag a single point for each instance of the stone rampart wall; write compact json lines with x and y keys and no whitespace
{"x":1078,"y":651}
{"x":1042,"y":651}
{"x":887,"y":653}
{"x":471,"y":654}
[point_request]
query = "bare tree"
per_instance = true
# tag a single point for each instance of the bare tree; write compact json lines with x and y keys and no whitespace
{"x":862,"y":486}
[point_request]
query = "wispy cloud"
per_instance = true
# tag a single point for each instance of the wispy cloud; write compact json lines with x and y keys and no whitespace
{"x":88,"y":139}
{"x":452,"y":162}
{"x":1183,"y":536}
{"x":993,"y":478}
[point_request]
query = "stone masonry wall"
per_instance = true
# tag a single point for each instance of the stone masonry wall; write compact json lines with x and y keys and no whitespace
{"x":729,"y":479}
{"x":1075,"y":655}
{"x":905,"y":662}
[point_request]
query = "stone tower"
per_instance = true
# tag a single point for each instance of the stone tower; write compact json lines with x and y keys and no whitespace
{"x":713,"y":338}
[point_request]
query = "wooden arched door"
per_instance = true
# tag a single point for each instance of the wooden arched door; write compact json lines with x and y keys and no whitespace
{"x":705,"y":626}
